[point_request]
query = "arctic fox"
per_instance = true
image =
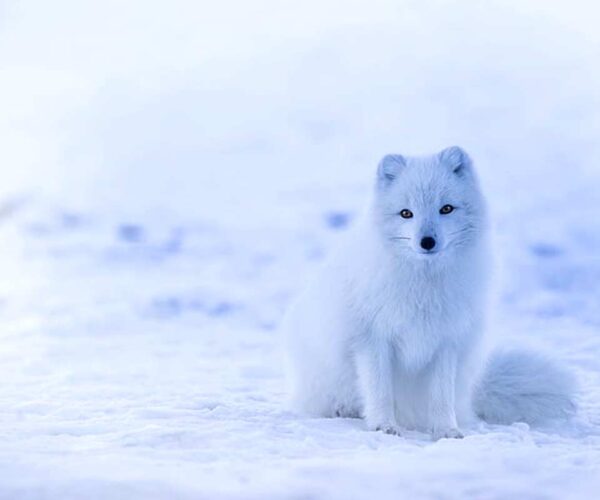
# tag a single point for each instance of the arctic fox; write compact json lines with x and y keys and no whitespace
{"x":392,"y":328}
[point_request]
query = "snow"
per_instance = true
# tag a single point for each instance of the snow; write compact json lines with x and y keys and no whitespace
{"x":170,"y":176}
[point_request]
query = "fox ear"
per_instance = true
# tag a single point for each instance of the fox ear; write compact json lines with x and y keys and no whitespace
{"x":389,"y":168}
{"x":457,"y":159}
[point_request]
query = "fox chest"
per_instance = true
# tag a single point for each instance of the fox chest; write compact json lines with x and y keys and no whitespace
{"x":417,"y":325}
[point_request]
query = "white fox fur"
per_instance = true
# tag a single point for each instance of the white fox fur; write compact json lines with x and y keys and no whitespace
{"x":391,"y":329}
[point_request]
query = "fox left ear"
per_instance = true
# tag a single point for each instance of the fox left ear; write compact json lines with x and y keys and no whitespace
{"x":457,"y":159}
{"x":389,"y":168}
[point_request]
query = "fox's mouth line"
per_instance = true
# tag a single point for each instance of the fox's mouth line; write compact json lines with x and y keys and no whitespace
{"x":430,"y":252}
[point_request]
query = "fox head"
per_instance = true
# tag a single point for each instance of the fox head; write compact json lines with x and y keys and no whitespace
{"x":428,"y":207}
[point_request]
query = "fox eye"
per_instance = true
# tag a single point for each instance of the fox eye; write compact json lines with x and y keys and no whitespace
{"x":406,"y":214}
{"x":446,"y":209}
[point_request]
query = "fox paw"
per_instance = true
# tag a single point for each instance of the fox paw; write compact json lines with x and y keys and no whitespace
{"x":447,"y":433}
{"x":394,"y":430}
{"x":347,"y":412}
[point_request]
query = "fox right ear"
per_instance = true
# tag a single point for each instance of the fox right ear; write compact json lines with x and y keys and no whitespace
{"x":457,"y":159}
{"x":389,"y":168}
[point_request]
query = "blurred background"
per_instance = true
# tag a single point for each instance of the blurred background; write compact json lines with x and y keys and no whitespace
{"x":172,"y":172}
{"x":199,"y":106}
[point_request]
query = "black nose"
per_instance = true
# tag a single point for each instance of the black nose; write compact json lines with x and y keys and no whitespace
{"x":427,"y":243}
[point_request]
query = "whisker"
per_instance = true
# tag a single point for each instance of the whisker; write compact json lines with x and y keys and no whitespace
{"x":463,"y":231}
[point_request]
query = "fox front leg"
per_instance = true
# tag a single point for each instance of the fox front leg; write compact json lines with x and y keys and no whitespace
{"x":442,"y":394}
{"x":375,"y":372}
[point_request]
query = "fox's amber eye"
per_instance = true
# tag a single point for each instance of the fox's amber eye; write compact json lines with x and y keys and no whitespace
{"x":406,"y":214}
{"x":446,"y":209}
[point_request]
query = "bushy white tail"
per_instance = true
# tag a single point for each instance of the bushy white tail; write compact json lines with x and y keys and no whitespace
{"x":522,"y":386}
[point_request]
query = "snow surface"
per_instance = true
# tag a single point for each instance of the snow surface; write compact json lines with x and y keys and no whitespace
{"x":170,"y":176}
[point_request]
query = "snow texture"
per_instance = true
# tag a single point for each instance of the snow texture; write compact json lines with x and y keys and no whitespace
{"x":172,"y":175}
